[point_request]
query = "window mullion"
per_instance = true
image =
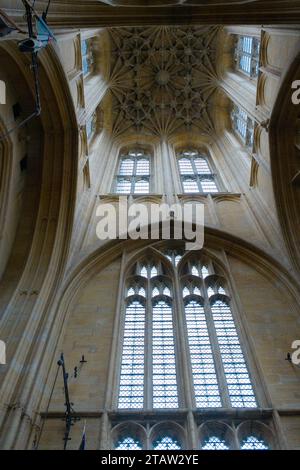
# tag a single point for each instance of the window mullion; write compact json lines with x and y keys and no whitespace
{"x":148,"y":349}
{"x":217,"y":355}
{"x":183,"y":364}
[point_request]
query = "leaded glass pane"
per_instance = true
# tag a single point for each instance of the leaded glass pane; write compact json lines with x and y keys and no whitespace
{"x":236,"y":373}
{"x":167,"y":291}
{"x":253,"y":443}
{"x":196,"y":291}
{"x":142,"y":292}
{"x":123,"y":186}
{"x":194,"y":170}
{"x":195,"y":271}
{"x":201,"y":166}
{"x":126,"y":168}
{"x":185,"y":166}
{"x":210,"y":292}
{"x":130,"y":291}
{"x":153,"y":271}
{"x":142,"y":167}
{"x":166,"y":443}
{"x":155,"y":292}
{"x":214,"y":443}
{"x":185,"y":292}
{"x":247,"y":53}
{"x":190,"y":185}
{"x":206,"y":387}
{"x":131,"y":390}
{"x":208,"y":186}
{"x":134,"y":173}
{"x":141,"y":186}
{"x":163,"y":355}
{"x":128,"y":443}
{"x":204,"y":272}
{"x":243,"y":125}
{"x":144,"y":272}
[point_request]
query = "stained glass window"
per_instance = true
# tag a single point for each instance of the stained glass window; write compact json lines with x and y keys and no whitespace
{"x":196,"y":175}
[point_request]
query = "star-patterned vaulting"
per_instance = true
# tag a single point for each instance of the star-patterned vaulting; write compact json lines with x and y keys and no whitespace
{"x":162,"y":78}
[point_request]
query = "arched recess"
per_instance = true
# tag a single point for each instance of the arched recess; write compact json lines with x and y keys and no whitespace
{"x":218,"y":245}
{"x":285,"y":161}
{"x":40,"y":249}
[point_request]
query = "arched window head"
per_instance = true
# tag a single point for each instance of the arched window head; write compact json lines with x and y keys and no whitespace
{"x":153,"y":271}
{"x":166,"y":443}
{"x":128,"y":443}
{"x":185,"y":292}
{"x":142,"y":292}
{"x":243,"y":125}
{"x":199,"y":270}
{"x":215,"y":289}
{"x":155,"y":292}
{"x":221,"y":290}
{"x":130,"y":291}
{"x":195,"y":173}
{"x":210,"y":291}
{"x":235,"y":369}
{"x":247,"y":55}
{"x":133,"y":175}
{"x":204,"y":272}
{"x":167,"y":292}
{"x":254,"y":443}
{"x":174,"y":256}
{"x":87,"y":55}
{"x":196,"y":291}
{"x":148,"y":269}
{"x":214,"y":443}
{"x":194,"y":271}
{"x":144,"y":271}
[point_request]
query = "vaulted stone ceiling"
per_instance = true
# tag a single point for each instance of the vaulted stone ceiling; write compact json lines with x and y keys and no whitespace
{"x":162,"y":78}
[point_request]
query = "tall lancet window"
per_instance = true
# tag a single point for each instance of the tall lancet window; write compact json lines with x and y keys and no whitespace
{"x":195,"y":173}
{"x":243,"y":125}
{"x":218,"y":367}
{"x":133,"y":174}
{"x":178,"y":321}
{"x":148,"y":372}
{"x":247,"y":55}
